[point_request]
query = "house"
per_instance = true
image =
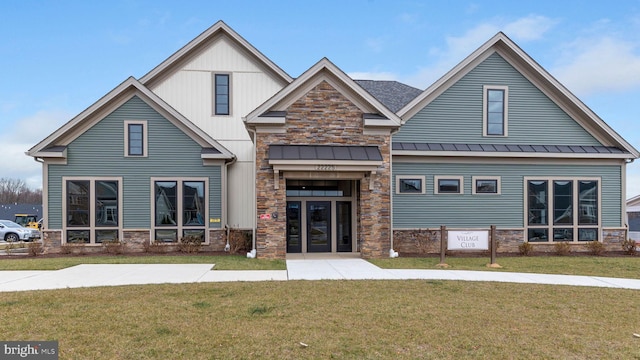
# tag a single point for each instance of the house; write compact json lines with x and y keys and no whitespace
{"x":633,"y":217}
{"x":218,"y":136}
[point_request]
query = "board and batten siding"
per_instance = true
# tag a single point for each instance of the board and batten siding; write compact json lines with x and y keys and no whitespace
{"x":456,"y":115}
{"x":481,"y":211}
{"x":190,"y":90}
{"x":99,"y":152}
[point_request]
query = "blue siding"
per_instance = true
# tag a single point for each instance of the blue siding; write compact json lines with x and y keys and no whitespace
{"x":505,"y":210}
{"x":456,"y":115}
{"x":100,"y":152}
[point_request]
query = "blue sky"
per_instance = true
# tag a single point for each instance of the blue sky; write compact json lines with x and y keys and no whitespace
{"x":59,"y":57}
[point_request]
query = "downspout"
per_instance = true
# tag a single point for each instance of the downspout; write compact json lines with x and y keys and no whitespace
{"x":252,"y":253}
{"x":225,"y":208}
{"x":392,"y":253}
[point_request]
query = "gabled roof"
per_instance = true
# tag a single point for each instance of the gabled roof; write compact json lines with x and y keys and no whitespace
{"x":323,"y":70}
{"x":634,"y":201}
{"x":55,"y":144}
{"x":538,"y":76}
{"x":200,"y":42}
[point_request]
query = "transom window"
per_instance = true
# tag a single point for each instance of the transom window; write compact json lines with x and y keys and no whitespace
{"x":318,"y":188}
{"x":448,"y":184}
{"x":563,"y":210}
{"x":408,"y":184}
{"x":495,"y":110}
{"x":222,"y":94}
{"x":92,"y":208}
{"x":135,"y":138}
{"x":179,"y":210}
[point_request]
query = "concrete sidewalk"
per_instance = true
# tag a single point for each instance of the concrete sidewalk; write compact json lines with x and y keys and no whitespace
{"x":89,"y":275}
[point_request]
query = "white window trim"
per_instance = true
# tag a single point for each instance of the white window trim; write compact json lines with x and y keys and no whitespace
{"x":145,"y":141}
{"x":436,"y":184}
{"x":179,"y":226}
{"x":550,"y":205}
{"x":474,"y":186}
{"x":92,"y":200}
{"x":485,"y":120}
{"x":213,"y":97}
{"x":412,"y":177}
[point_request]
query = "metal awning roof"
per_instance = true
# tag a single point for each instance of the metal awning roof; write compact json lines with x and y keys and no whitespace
{"x":324,"y":152}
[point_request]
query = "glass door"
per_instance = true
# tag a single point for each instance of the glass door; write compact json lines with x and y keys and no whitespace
{"x":343,"y":223}
{"x":319,"y":226}
{"x":294,"y":223}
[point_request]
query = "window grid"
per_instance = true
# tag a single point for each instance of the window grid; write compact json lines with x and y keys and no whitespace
{"x":562,"y":210}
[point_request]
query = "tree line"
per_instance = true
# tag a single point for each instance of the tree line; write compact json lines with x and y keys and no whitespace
{"x":16,"y":191}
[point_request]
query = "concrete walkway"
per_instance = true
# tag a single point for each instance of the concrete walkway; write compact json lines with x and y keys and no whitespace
{"x":88,"y":275}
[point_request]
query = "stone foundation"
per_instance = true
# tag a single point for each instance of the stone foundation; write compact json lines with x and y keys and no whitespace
{"x":427,"y":241}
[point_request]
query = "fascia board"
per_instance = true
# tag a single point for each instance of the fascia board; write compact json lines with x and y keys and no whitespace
{"x":216,"y":28}
{"x":313,"y":76}
{"x":112,"y":100}
{"x":448,"y":79}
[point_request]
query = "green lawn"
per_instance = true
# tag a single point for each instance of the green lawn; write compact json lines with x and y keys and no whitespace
{"x":223,"y":262}
{"x":334,"y":319}
{"x":623,"y":266}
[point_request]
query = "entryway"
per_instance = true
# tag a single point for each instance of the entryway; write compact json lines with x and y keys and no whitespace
{"x":322,"y":220}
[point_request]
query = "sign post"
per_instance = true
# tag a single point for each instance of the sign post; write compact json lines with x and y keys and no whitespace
{"x":443,"y":246}
{"x":494,"y":248}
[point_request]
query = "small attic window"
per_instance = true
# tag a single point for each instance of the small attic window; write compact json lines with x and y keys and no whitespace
{"x":222,"y":94}
{"x":135,"y":139}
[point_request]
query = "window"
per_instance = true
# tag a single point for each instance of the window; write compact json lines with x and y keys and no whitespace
{"x":222,"y":94}
{"x":562,"y":210}
{"x":486,"y":185}
{"x":407,"y":184}
{"x":180,"y":210}
{"x":495,"y":99}
{"x":135,"y":139}
{"x":448,"y":185}
{"x":92,"y":208}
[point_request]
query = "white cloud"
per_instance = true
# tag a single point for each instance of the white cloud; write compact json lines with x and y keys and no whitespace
{"x":20,"y":137}
{"x":457,"y":48}
{"x":611,"y":64}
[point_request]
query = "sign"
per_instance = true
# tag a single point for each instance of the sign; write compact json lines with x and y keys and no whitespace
{"x":265,"y":216}
{"x":468,"y":240}
{"x":214,"y":220}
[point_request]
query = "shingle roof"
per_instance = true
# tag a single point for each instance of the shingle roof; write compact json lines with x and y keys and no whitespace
{"x":324,"y":152}
{"x":392,"y":94}
{"x":563,"y":149}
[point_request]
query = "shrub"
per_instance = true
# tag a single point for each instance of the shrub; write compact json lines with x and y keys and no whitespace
{"x":190,"y":244}
{"x":595,"y":247}
{"x":562,"y":248}
{"x":239,"y":241}
{"x":114,"y":247}
{"x":629,"y":246}
{"x":35,"y":248}
{"x":525,"y":248}
{"x":155,"y":247}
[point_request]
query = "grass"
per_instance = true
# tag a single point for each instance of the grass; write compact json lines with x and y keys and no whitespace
{"x":622,"y":267}
{"x":222,"y":262}
{"x":335,"y":319}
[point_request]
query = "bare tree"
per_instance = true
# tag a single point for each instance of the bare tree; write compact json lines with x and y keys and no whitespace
{"x":16,"y":191}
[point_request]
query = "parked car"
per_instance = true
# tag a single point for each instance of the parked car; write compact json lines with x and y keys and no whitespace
{"x":10,"y":231}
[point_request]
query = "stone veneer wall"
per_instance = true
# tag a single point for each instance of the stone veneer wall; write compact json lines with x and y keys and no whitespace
{"x":427,"y":241}
{"x":323,"y":116}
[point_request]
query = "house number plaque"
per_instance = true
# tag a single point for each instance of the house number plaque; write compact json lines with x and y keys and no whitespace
{"x":325,"y":167}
